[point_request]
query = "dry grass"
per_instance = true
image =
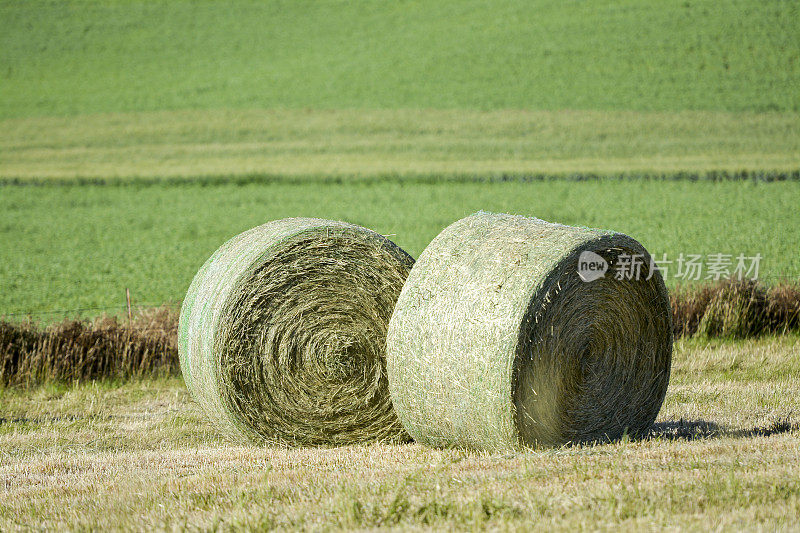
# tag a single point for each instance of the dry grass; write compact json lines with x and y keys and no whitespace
{"x":78,"y":350}
{"x":737,"y":309}
{"x":722,"y":455}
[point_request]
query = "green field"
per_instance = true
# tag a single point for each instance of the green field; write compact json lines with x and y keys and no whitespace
{"x":79,"y":57}
{"x":69,"y":247}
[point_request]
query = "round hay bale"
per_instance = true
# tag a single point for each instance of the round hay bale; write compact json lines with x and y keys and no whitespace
{"x":282,"y":333}
{"x":497,"y":343}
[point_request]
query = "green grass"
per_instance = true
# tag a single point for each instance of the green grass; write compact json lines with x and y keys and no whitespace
{"x":80,"y":57}
{"x":187,"y":144}
{"x":140,"y":455}
{"x":68,"y":247}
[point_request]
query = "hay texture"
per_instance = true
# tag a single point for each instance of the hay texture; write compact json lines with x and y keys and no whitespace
{"x":282,"y":333}
{"x":497,"y":343}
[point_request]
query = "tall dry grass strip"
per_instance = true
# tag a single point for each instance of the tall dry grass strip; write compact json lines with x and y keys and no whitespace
{"x":75,"y":350}
{"x":736,"y":309}
{"x":282,"y":333}
{"x":497,"y":343}
{"x":31,"y":353}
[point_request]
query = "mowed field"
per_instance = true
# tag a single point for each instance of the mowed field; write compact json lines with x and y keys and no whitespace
{"x":136,"y":137}
{"x":139,"y":455}
{"x":435,"y":144}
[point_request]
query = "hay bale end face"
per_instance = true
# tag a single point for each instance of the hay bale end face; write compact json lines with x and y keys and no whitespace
{"x":282,"y":334}
{"x":498,"y":343}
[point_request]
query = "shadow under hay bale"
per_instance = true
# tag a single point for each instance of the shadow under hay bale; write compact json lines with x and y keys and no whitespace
{"x":702,"y":429}
{"x":282,"y":334}
{"x":497,"y":343}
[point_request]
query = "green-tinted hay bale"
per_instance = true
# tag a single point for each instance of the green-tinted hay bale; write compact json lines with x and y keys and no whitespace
{"x":497,"y":343}
{"x":282,"y":333}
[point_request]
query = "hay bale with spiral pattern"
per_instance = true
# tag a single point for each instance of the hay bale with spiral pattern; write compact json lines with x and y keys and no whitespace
{"x":282,"y":334}
{"x":498,"y":343}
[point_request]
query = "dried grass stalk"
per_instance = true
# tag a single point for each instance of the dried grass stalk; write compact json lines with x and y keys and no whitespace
{"x":496,"y":343}
{"x":737,"y":310}
{"x":282,"y":333}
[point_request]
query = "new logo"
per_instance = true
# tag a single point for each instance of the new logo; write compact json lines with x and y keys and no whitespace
{"x":591,"y":266}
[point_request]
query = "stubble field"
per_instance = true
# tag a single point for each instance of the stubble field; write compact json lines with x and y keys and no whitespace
{"x":140,"y":455}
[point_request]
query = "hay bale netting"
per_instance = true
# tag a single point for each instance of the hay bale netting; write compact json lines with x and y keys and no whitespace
{"x":496,"y":342}
{"x":282,"y":333}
